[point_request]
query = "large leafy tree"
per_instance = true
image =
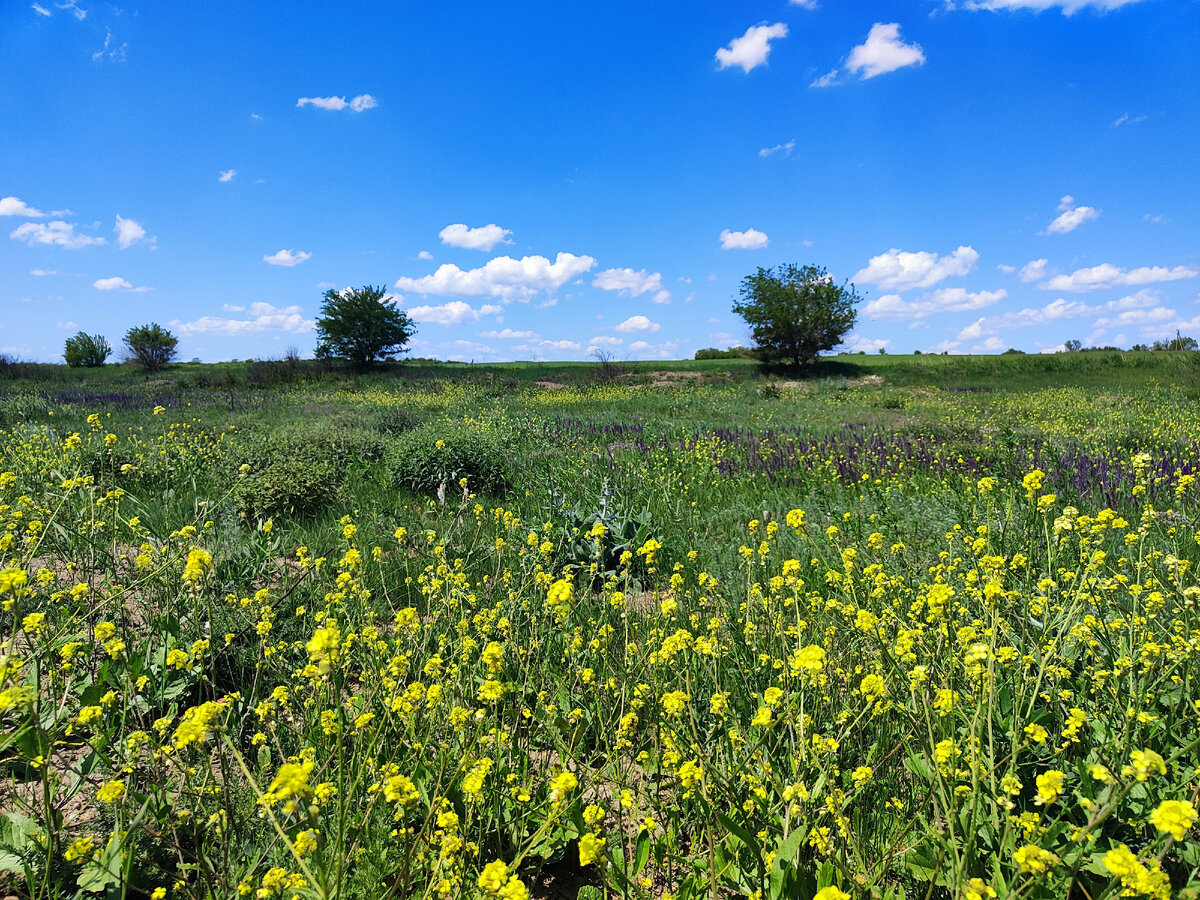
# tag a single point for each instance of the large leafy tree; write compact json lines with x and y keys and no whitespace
{"x":361,"y":326}
{"x":150,"y":346}
{"x":794,"y":312}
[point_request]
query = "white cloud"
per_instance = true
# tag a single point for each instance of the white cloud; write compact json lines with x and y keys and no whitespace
{"x":424,"y":254}
{"x":226,"y":175}
{"x":785,"y":148}
{"x":883,"y":52}
{"x":265,"y":317}
{"x":485,"y":237}
{"x":357,"y":104}
{"x":803,"y":4}
{"x":890,"y":306}
{"x":664,"y":296}
{"x":638,"y":324}
{"x":233,"y":307}
{"x":855,"y":342}
{"x":503,"y":277}
{"x":13,"y":206}
{"x":1106,"y":275}
{"x":1006,"y":269}
{"x":456,"y":312}
{"x":130,"y":232}
{"x":57,"y":232}
{"x":41,"y":272}
{"x":752,"y":48}
{"x":628,"y":283}
{"x":508,"y":334}
{"x":606,"y":340}
{"x":1126,"y":118}
{"x":829,"y":79}
{"x":117,"y":283}
{"x":72,"y":7}
{"x":41,"y":10}
{"x":750,"y":239}
{"x":1034,"y":270}
{"x":1071,"y":216}
{"x":1157,"y":219}
{"x":899,"y":270}
{"x":1068,"y":7}
{"x":287,"y":258}
{"x":66,"y":325}
{"x":113,"y":52}
{"x":1143,"y":298}
{"x":1052,"y":312}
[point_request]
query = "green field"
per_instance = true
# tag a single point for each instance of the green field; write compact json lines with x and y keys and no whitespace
{"x":914,"y":626}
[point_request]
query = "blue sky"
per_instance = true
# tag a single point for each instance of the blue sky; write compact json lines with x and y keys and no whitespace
{"x":540,"y":180}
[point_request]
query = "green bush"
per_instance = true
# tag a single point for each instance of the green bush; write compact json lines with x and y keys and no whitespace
{"x":435,"y":456}
{"x":395,"y":420}
{"x":87,"y":351}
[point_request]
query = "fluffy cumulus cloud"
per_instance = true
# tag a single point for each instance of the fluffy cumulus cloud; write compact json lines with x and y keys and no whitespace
{"x":424,"y":254}
{"x":226,"y":175}
{"x":751,"y":49}
{"x":629,"y":283}
{"x":1106,"y":275}
{"x":891,"y":306}
{"x":855,"y":342}
{"x":62,"y":234}
{"x":485,"y":237}
{"x":1068,"y":7}
{"x":1054,"y":311}
{"x":503,"y":277}
{"x":130,"y":232}
{"x":883,"y":51}
{"x":750,"y":239}
{"x":456,"y":312}
{"x":1034,"y":270}
{"x":262,"y":317}
{"x":900,"y":270}
{"x":355,"y":104}
{"x":287,"y":258}
{"x":638,"y":325}
{"x":1070,"y":216}
{"x":14,"y":206}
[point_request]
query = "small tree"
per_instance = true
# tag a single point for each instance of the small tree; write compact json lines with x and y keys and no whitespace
{"x":86,"y":350}
{"x":150,"y":346}
{"x":795,"y":312}
{"x":361,"y":325}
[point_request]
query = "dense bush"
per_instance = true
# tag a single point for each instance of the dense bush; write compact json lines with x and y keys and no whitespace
{"x":150,"y":346}
{"x":435,"y":457}
{"x":86,"y":351}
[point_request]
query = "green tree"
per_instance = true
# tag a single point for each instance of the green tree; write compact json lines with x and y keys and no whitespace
{"x":86,"y":350}
{"x":794,"y":312}
{"x":361,"y":325}
{"x":150,"y":346}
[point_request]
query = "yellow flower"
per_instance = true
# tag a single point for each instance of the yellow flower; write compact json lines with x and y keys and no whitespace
{"x":1034,"y":860}
{"x":493,"y":877}
{"x":831,"y":893}
{"x":199,"y":563}
{"x":1049,"y":787}
{"x":561,"y":786}
{"x":1174,"y":817}
{"x":1143,"y":764}
{"x":111,"y":792}
{"x":590,"y":848}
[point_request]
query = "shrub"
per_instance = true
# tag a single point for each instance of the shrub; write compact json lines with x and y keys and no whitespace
{"x":395,"y":420}
{"x":150,"y":346}
{"x":433,"y":457}
{"x":87,"y":351}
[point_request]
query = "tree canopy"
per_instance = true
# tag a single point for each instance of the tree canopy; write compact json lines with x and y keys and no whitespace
{"x":86,"y":350}
{"x":361,"y":326}
{"x":150,"y":346}
{"x":795,"y":312}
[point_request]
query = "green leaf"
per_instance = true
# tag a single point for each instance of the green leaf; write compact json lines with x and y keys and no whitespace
{"x":102,"y":871}
{"x":641,"y":853}
{"x":740,"y":833}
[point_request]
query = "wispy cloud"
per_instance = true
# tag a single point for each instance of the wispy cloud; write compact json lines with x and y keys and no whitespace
{"x":1106,"y":275}
{"x":117,"y":283}
{"x":785,"y":149}
{"x":226,"y":175}
{"x":355,"y":104}
{"x":628,"y":283}
{"x":60,"y":233}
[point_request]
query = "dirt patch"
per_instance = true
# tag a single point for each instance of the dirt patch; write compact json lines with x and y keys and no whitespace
{"x":550,"y":385}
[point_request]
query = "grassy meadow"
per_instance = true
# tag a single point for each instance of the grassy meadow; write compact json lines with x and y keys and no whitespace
{"x":906,"y":627}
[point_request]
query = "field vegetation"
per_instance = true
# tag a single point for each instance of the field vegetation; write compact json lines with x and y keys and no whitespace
{"x":907,"y":627}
